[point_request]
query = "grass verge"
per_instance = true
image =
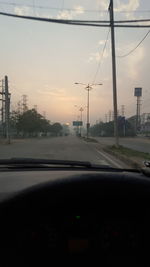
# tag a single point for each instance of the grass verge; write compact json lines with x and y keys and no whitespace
{"x":130,"y":152}
{"x":131,"y":157}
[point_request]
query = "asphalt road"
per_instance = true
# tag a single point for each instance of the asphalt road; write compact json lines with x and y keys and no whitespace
{"x":66,"y":148}
{"x":137,"y":143}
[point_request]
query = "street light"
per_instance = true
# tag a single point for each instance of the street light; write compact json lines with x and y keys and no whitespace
{"x":88,"y":87}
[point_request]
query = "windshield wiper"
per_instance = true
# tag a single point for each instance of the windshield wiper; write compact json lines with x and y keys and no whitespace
{"x":32,"y":163}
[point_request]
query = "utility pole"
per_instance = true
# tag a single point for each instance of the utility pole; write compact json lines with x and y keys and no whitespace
{"x":111,"y":11}
{"x":138,"y":94}
{"x":123,"y":115}
{"x":3,"y":100}
{"x":88,"y":88}
{"x":7,"y":110}
{"x":3,"y":109}
{"x":2,"y":93}
{"x":138,"y":112}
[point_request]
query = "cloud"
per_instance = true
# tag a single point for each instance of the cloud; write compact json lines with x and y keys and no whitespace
{"x":101,"y":42}
{"x":66,"y":14}
{"x":131,"y":5}
{"x":59,"y":94}
{"x":134,"y":63}
{"x":103,"y":4}
{"x":79,"y":9}
{"x":21,"y":11}
{"x":97,"y":56}
{"x":54,"y":92}
{"x":120,"y":6}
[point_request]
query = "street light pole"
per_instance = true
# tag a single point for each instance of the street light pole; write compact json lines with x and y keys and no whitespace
{"x":88,"y":88}
{"x":81,"y":110}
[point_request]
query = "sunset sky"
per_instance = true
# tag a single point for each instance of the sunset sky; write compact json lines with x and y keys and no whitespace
{"x":44,"y":60}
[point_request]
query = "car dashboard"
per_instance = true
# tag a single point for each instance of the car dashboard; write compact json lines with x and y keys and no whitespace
{"x":90,"y":217}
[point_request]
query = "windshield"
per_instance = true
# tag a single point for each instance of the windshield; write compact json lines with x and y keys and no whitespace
{"x":75,"y":81}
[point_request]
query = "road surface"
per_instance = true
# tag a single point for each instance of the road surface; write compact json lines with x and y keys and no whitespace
{"x":66,"y":148}
{"x":137,"y":143}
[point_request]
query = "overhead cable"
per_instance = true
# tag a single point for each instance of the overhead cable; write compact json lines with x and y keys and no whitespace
{"x":73,"y":22}
{"x":125,"y":55}
{"x":101,"y":58}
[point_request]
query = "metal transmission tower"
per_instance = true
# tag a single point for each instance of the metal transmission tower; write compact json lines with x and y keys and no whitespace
{"x":5,"y":109}
{"x":35,"y":107}
{"x":106,"y":118}
{"x":24,"y":103}
{"x":19,"y":107}
{"x":3,"y":103}
{"x":122,"y":110}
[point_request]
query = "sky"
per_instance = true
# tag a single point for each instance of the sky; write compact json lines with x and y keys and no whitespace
{"x":44,"y":60}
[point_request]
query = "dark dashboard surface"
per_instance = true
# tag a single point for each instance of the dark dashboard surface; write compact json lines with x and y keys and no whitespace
{"x":93,"y":216}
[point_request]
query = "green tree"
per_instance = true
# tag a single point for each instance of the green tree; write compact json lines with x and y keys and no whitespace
{"x":31,"y":123}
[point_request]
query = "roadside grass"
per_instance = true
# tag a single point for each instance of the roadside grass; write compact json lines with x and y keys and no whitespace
{"x":130,"y":152}
{"x":133,"y":158}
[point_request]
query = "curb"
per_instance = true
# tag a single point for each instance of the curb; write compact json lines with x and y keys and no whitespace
{"x":124,"y":158}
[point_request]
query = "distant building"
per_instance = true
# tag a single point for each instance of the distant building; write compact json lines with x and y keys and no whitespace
{"x":65,"y":130}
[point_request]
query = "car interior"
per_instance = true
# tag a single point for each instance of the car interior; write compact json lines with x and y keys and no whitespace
{"x":100,"y":218}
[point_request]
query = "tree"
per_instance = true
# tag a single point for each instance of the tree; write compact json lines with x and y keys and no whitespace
{"x":31,"y":123}
{"x":56,"y":129}
{"x":107,"y":129}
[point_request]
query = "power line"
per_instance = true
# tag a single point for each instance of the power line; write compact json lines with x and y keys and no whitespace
{"x":125,"y":55}
{"x":100,"y":62}
{"x":73,"y":22}
{"x":132,"y":21}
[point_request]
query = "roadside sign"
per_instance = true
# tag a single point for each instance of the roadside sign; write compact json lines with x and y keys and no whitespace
{"x":77,"y":123}
{"x":138,"y":91}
